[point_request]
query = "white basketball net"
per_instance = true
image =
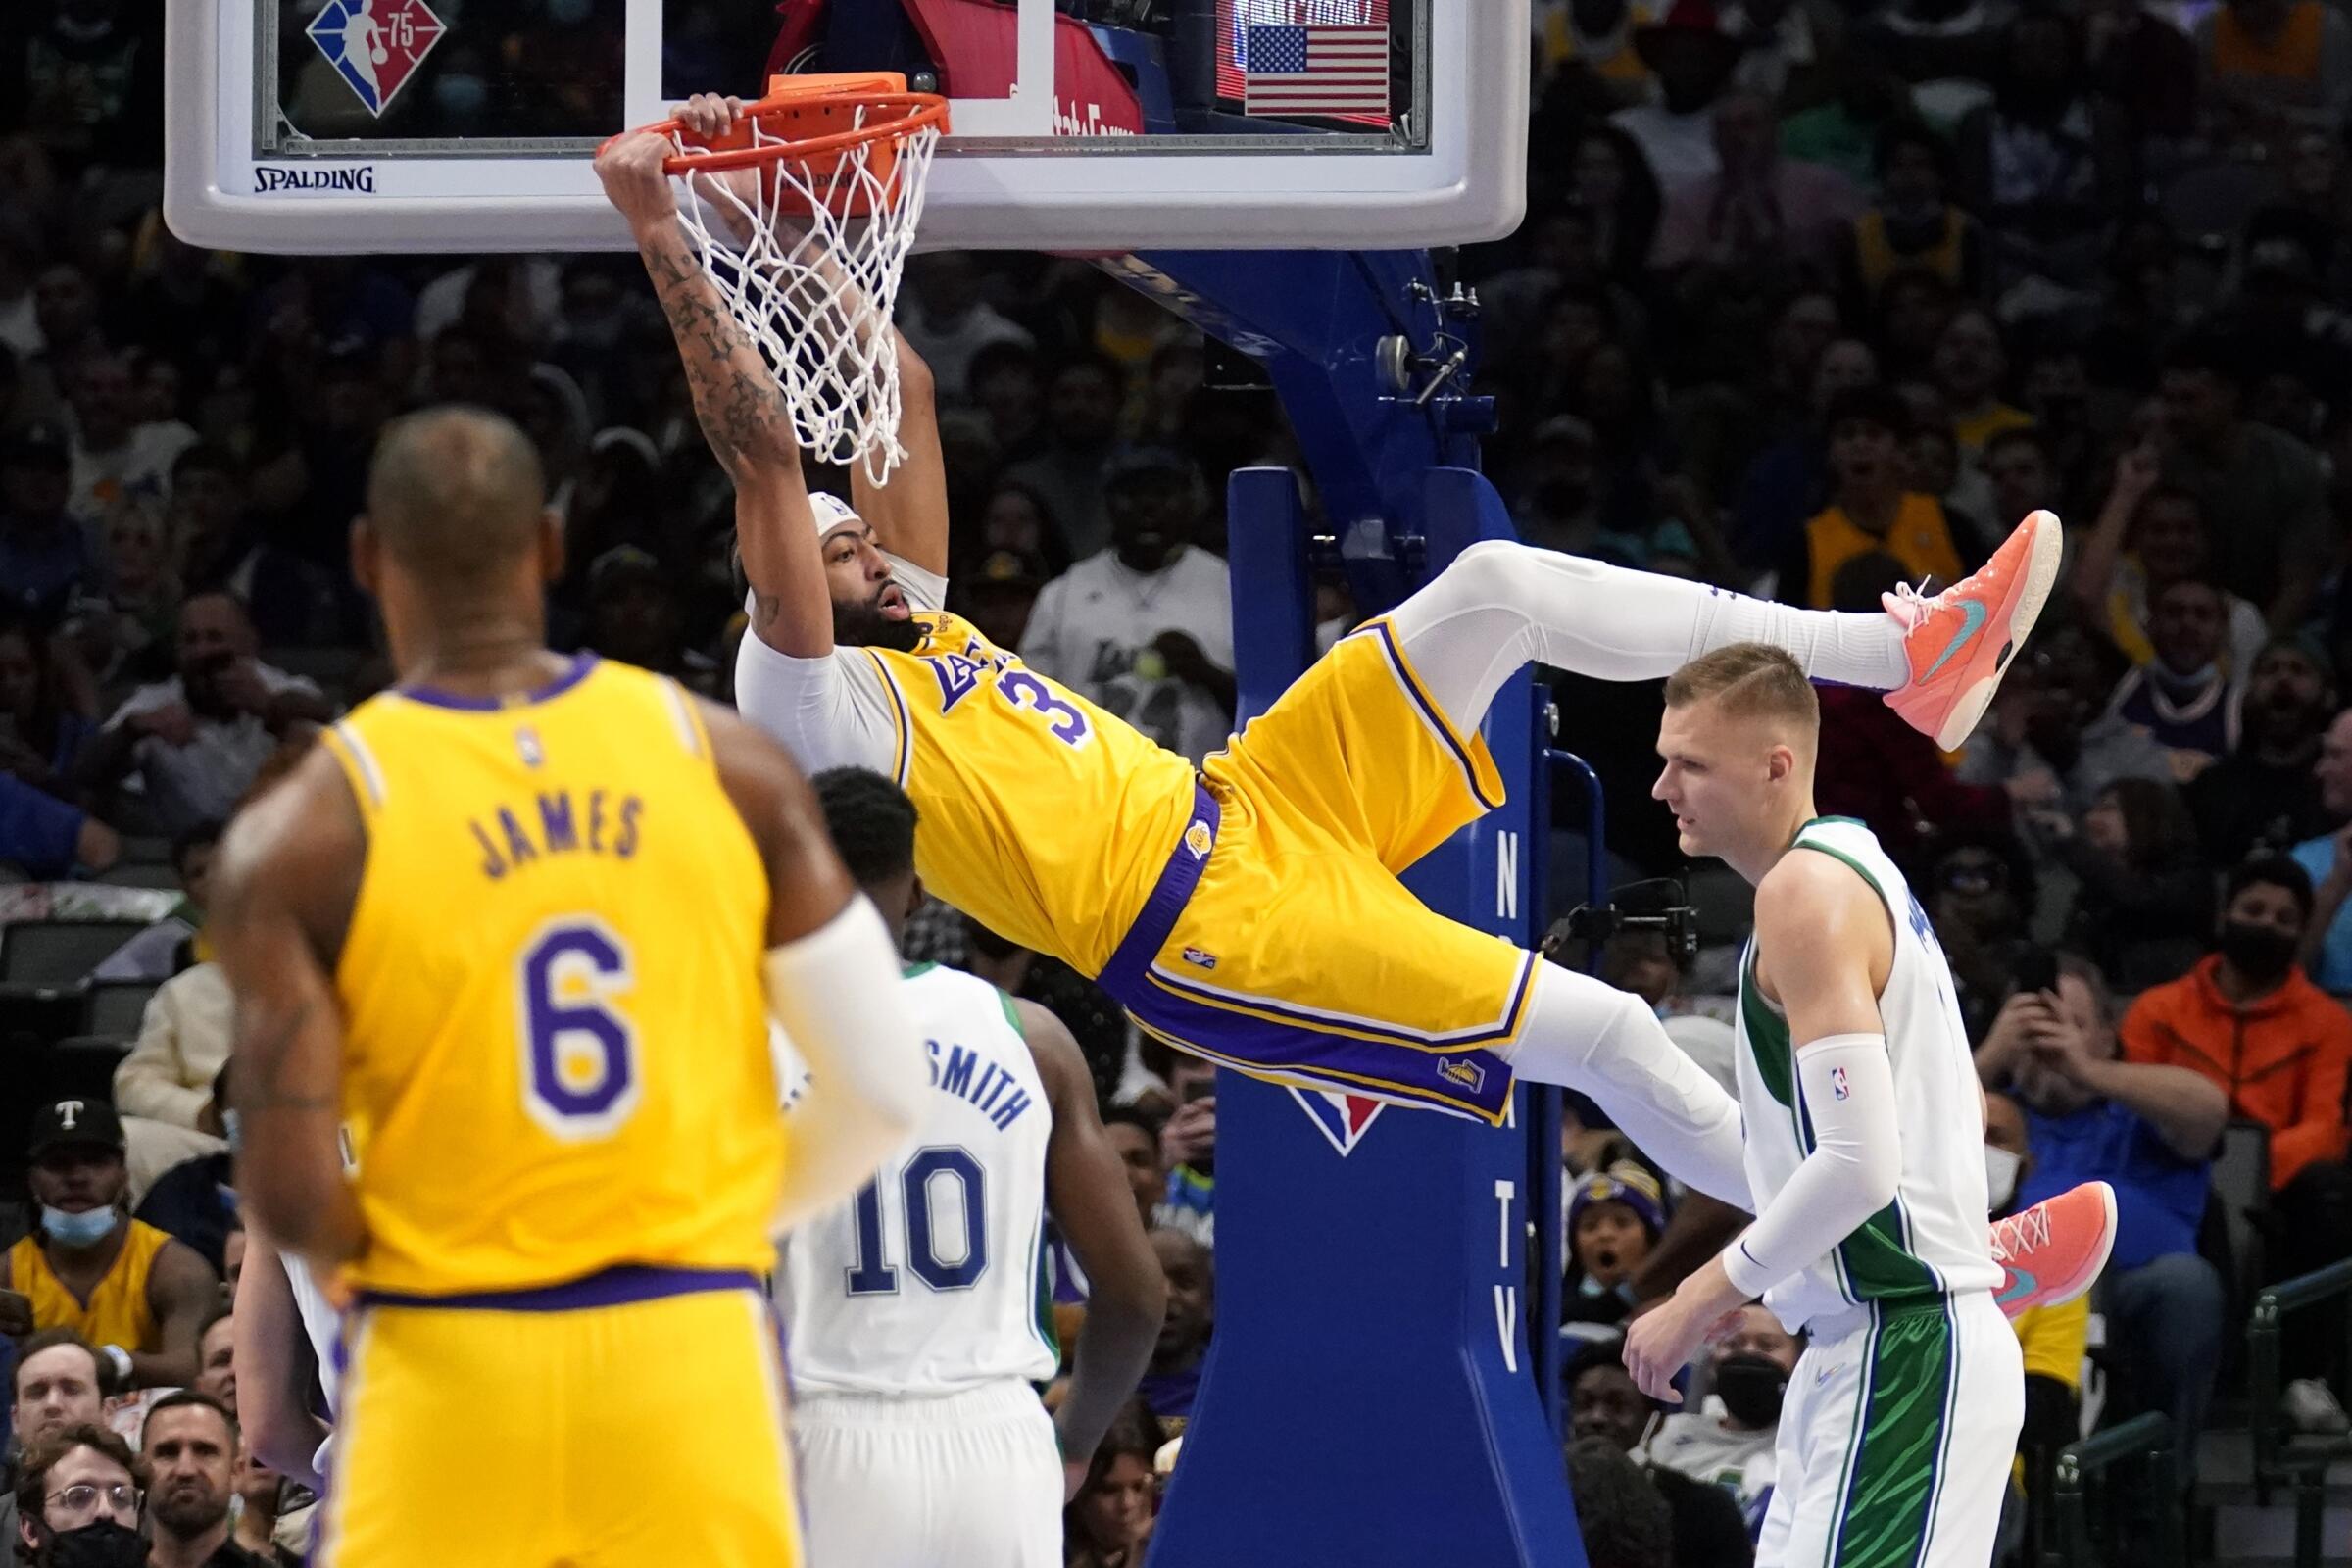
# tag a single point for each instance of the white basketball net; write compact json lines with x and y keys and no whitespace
{"x":813,"y":287}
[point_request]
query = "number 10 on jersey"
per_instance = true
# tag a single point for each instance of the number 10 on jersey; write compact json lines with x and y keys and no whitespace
{"x":938,"y":1260}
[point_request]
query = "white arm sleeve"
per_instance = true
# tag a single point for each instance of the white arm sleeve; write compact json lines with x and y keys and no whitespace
{"x":836,"y":992}
{"x":1848,"y":1087}
{"x":812,"y":706}
{"x":833,"y":712}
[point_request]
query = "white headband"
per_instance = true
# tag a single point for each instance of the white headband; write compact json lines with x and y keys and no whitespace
{"x":830,"y":512}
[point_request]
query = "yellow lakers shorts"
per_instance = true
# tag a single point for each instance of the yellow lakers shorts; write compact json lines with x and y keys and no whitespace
{"x":633,"y":1418}
{"x":1279,"y":940}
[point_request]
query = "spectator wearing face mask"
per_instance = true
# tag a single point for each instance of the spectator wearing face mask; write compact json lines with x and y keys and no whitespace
{"x":78,"y":1502}
{"x":1613,"y":1221}
{"x":1728,"y":1439}
{"x":2148,"y":1132}
{"x":2249,"y":1020}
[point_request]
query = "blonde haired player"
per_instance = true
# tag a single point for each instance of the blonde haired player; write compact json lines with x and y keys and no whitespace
{"x":1902,"y":1416}
{"x":520,"y":921}
{"x":1251,"y":914}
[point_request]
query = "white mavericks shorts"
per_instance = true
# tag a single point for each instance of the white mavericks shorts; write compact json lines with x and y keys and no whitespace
{"x":970,"y":1479}
{"x":1896,"y":1438}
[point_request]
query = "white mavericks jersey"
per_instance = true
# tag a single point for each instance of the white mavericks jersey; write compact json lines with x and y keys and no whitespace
{"x":933,"y":1279}
{"x":1931,"y":1240}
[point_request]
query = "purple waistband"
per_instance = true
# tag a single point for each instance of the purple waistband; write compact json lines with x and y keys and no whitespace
{"x":1123,"y":975}
{"x":620,"y":1286}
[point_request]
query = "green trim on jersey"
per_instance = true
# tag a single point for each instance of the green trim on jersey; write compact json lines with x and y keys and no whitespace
{"x":1895,"y":1466}
{"x":1043,"y":1323}
{"x":1875,"y":1263}
{"x":913,"y":969}
{"x":1767,"y":1036}
{"x":1012,"y":1014}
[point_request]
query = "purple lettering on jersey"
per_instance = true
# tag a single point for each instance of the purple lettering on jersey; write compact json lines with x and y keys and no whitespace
{"x":555,"y":823}
{"x":958,"y":1079}
{"x":494,"y":865}
{"x":596,"y":821}
{"x":958,"y":677}
{"x":625,"y":844}
{"x":519,"y":847}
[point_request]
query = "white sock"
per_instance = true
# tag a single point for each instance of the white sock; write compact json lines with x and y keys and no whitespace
{"x":1850,"y":649}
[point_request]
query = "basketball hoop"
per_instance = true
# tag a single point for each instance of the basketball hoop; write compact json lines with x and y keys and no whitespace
{"x":803,"y":215}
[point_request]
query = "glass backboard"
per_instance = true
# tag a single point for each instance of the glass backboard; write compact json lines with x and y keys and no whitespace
{"x":1077,"y":124}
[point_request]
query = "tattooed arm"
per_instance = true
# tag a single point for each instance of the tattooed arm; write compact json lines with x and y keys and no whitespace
{"x":282,"y":891}
{"x":735,"y":398}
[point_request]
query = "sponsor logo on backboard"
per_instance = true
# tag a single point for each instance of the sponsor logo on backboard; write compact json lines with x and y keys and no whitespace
{"x":268,"y":179}
{"x":375,"y":45}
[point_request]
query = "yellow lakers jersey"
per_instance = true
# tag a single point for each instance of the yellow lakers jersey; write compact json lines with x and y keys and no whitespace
{"x":117,"y":1311}
{"x":1043,"y":816}
{"x":555,"y":1043}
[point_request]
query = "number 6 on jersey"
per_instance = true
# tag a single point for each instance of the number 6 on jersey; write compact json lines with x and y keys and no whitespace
{"x":579,"y":1065}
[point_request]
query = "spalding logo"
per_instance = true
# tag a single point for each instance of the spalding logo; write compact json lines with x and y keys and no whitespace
{"x":269,"y":181}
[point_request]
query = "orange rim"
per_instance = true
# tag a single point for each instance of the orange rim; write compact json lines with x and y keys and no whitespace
{"x":906,"y":114}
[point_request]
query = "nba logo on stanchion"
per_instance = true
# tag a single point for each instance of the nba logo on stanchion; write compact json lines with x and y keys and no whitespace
{"x":1341,"y":1118}
{"x":376,"y":45}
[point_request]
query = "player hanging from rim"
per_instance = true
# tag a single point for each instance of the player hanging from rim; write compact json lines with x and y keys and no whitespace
{"x":1251,"y":914}
{"x":1870,"y":1234}
{"x":916,"y":1312}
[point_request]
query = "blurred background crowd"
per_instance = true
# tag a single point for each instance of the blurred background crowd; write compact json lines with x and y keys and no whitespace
{"x":1811,"y":299}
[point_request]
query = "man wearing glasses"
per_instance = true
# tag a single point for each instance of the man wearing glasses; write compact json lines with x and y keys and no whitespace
{"x":78,"y":1502}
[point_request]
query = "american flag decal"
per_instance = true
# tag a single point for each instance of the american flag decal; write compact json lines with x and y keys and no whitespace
{"x":1314,"y":70}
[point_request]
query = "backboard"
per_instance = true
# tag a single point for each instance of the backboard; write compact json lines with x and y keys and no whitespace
{"x":310,"y":126}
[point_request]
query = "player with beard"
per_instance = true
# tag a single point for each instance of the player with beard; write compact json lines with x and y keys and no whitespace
{"x":1252,"y":913}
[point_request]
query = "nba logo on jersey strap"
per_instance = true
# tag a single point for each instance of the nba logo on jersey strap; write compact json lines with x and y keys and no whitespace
{"x":375,"y":45}
{"x":1341,"y":1118}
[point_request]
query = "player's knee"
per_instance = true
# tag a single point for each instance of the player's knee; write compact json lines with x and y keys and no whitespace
{"x":1490,"y":573}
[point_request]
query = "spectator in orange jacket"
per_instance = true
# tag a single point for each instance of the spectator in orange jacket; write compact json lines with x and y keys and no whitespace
{"x":2247,"y":1018}
{"x":2281,"y":1048}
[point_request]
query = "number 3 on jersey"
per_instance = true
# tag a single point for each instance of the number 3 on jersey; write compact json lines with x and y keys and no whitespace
{"x":579,"y":1052}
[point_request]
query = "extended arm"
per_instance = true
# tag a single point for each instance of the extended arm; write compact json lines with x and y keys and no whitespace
{"x":737,"y":404}
{"x":1825,"y":948}
{"x":272,"y":1364}
{"x":282,"y":893}
{"x":2186,"y":1109}
{"x":910,"y":514}
{"x":180,"y":1288}
{"x":1086,"y":1191}
{"x":832,"y":981}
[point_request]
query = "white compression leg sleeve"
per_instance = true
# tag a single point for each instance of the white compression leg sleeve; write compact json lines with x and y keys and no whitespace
{"x":1606,"y":1043}
{"x":1501,"y":605}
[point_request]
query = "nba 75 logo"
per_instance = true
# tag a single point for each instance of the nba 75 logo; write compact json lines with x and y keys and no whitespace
{"x":375,"y":45}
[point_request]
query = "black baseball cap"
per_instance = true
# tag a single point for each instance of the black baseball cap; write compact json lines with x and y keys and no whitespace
{"x":77,"y":1124}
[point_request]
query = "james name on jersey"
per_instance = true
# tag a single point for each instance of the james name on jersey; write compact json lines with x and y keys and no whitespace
{"x":511,"y":836}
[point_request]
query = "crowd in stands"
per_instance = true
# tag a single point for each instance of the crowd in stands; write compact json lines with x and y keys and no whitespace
{"x":1811,"y":300}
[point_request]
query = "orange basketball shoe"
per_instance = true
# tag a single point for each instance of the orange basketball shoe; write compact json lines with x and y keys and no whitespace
{"x":2054,"y":1251}
{"x":1959,"y":642}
